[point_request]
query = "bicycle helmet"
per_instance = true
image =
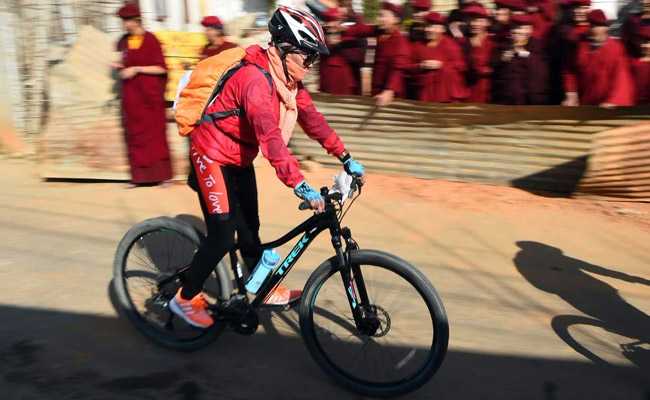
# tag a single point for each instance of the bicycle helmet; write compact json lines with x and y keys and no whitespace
{"x":299,"y":29}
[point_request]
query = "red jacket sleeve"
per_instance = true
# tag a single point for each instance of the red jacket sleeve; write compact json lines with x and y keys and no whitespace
{"x":315,"y":125}
{"x":256,"y":100}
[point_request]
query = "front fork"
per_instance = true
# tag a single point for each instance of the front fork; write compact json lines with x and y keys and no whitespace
{"x":355,"y":287}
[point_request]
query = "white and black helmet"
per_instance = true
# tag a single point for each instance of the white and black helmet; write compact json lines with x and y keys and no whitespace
{"x":298,"y":28}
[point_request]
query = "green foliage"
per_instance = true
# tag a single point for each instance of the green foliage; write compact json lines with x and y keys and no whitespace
{"x":370,"y":10}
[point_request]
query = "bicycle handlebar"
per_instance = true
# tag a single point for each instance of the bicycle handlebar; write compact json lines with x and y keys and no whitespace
{"x":336,"y":196}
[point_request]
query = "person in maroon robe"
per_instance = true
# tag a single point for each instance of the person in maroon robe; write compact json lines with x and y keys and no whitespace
{"x":438,"y":66}
{"x":520,"y":71}
{"x":478,"y":52}
{"x":631,"y":27}
{"x":144,"y":75}
{"x":543,"y":14}
{"x":336,"y":70}
{"x":504,"y":10}
{"x":216,"y":37}
{"x":601,"y":69}
{"x":558,"y":49}
{"x":458,"y":22}
{"x":416,"y":36}
{"x":641,"y":67}
{"x":420,"y":9}
{"x":571,"y":36}
{"x":392,"y":54}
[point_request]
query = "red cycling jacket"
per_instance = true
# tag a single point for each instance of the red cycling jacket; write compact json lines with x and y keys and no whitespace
{"x":235,"y":140}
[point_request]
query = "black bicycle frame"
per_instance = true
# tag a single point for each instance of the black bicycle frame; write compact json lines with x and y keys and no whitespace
{"x":310,"y":229}
{"x":353,"y":283}
{"x":351,"y":275}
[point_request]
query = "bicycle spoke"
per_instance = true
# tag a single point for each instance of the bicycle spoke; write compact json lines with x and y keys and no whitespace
{"x":391,"y":353}
{"x":143,"y":262}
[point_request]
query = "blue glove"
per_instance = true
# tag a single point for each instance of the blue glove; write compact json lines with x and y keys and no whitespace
{"x":353,"y":167}
{"x":306,"y":192}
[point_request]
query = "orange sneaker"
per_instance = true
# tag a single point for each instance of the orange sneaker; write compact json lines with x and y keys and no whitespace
{"x":282,"y":296}
{"x":192,"y":311}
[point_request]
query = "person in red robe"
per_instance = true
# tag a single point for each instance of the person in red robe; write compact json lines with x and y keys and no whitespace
{"x":438,"y":66}
{"x":641,"y":67}
{"x":601,"y":70}
{"x":216,"y":37}
{"x":144,"y":75}
{"x":479,"y":48}
{"x":392,"y":55}
{"x":336,"y":70}
{"x":520,"y":71}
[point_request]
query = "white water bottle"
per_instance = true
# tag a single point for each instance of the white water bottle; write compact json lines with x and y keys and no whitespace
{"x":267,"y":263}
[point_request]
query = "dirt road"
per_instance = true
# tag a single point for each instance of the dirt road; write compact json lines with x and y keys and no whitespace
{"x":515,"y":271}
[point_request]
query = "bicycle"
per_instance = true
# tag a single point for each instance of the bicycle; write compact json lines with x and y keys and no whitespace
{"x":636,"y":351}
{"x":339,"y":324}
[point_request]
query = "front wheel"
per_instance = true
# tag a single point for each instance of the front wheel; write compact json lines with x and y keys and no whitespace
{"x":410,"y":332}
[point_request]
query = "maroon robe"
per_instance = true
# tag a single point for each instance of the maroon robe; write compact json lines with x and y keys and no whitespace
{"x":339,"y":70}
{"x":602,"y":74}
{"x":570,"y":38}
{"x":641,"y":76}
{"x":500,"y":33}
{"x":630,"y":34}
{"x":143,"y":113}
{"x":337,"y":76}
{"x":523,"y":79}
{"x":543,"y":20}
{"x":480,"y":71}
{"x":392,"y":57}
{"x":210,"y":50}
{"x":443,"y":85}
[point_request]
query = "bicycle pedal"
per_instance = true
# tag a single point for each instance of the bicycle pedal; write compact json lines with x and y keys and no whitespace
{"x":280,"y":307}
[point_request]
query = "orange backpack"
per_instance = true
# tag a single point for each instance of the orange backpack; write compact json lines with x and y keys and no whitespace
{"x":205,"y":83}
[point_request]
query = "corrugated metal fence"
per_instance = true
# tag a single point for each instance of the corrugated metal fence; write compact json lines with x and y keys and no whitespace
{"x":536,"y":148}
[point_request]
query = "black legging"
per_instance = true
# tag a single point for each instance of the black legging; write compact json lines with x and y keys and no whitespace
{"x":243,"y":218}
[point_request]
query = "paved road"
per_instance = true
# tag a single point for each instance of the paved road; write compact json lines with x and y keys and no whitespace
{"x":514,"y":270}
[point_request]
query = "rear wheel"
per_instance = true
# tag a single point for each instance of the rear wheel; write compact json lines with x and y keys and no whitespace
{"x":150,"y":252}
{"x":404,"y":335}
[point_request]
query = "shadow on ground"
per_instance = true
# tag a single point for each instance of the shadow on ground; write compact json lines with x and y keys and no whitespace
{"x":559,"y":181}
{"x":548,"y":269}
{"x":47,"y":354}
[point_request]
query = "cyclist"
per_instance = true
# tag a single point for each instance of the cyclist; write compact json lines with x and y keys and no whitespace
{"x":269,"y":92}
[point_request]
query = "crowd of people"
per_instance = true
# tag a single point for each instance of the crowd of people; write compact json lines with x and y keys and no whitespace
{"x":523,"y":52}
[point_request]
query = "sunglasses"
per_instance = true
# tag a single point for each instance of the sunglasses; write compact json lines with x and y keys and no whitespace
{"x":309,"y":58}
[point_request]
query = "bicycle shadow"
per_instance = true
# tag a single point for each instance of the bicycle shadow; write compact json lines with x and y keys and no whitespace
{"x":548,"y":269}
